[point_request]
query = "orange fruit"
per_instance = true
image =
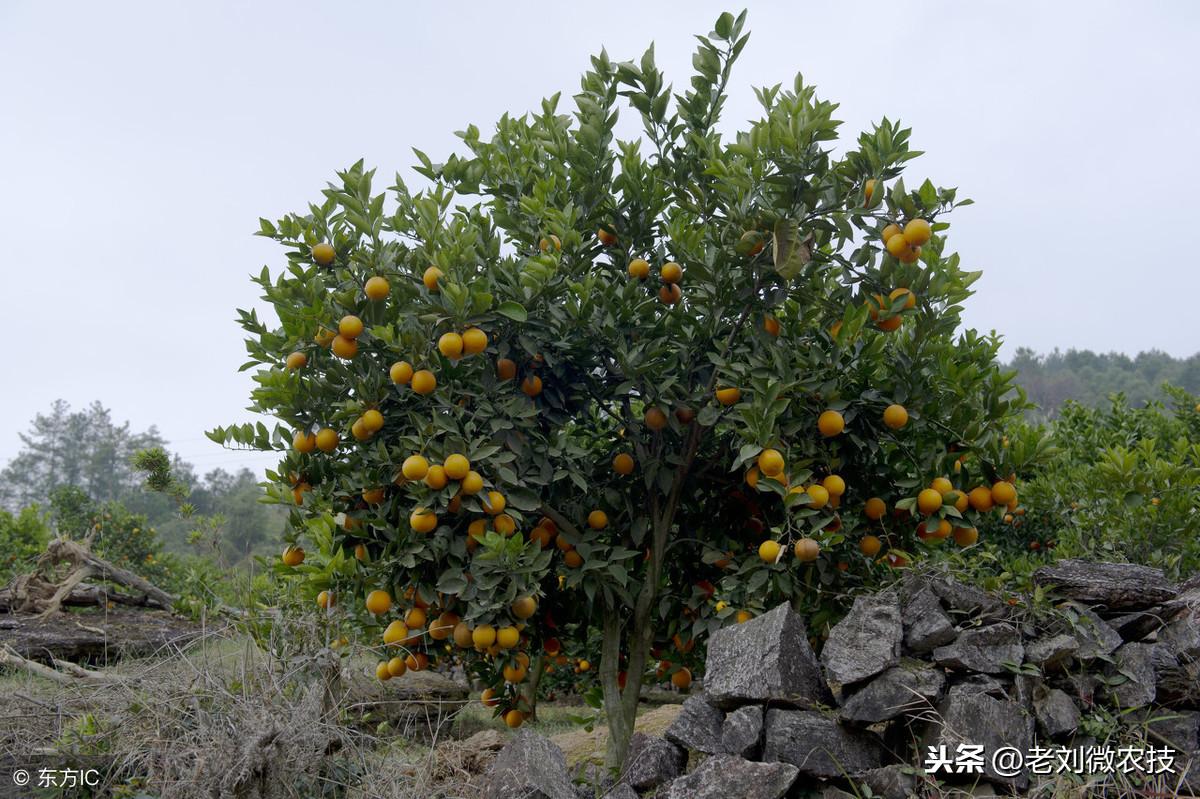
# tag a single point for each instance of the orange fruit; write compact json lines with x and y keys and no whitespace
{"x":929,"y":501}
{"x":372,"y":420}
{"x":359,"y":430}
{"x":830,"y":423}
{"x":623,"y":464}
{"x":891,"y":324}
{"x":752,"y":477}
{"x":415,"y":619}
{"x":324,"y":600}
{"x":818,"y":496}
{"x":531,"y":386}
{"x":382,"y":673}
{"x":474,"y":341}
{"x":401,"y":372}
{"x":296,"y":360}
{"x":360,"y":552}
{"x":344,"y":348}
{"x":373,"y":496}
{"x":488,"y":698}
{"x":483,"y":636}
{"x":350,"y":326}
{"x":377,"y":288}
{"x":806,"y":550}
{"x":597,"y":520}
{"x":671,"y":272}
{"x":397,"y":667}
{"x":655,"y":419}
{"x":293,"y":556}
{"x":875,"y":508}
{"x":504,"y":525}
{"x":768,"y":551}
{"x":514,"y":674}
{"x":416,"y":662}
{"x":423,"y":382}
{"x":981,"y":498}
{"x":507,"y":637}
{"x":959,"y":500}
{"x":436,"y":478}
{"x":868,"y":191}
{"x":771,"y":325}
{"x":917,"y":232}
{"x":1003,"y":493}
{"x":457,"y":466}
{"x":728,"y":396}
{"x":573,"y":559}
{"x":431,"y":277}
{"x":639,"y":268}
{"x":451,"y":345}
{"x":895,"y":416}
{"x":395,"y":633}
{"x":670,"y":293}
{"x":323,"y":254}
{"x":551,"y":241}
{"x":324,"y":337}
{"x":835,"y":485}
{"x":327,"y":440}
{"x":415,"y":467}
{"x":910,"y":300}
{"x":524,"y":607}
{"x":891,"y":230}
{"x":870,"y":545}
{"x":682,"y":679}
{"x":941,"y":485}
{"x":303,"y":441}
{"x":423,"y":520}
{"x":506,"y":369}
{"x":463,"y":635}
{"x":965,"y":536}
{"x":443,"y":626}
{"x":897,"y":245}
{"x":514,"y":719}
{"x":494,"y":503}
{"x":379,"y":602}
{"x":472,"y":483}
{"x":607,"y":237}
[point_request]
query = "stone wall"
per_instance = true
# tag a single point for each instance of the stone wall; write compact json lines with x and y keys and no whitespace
{"x":930,"y":662}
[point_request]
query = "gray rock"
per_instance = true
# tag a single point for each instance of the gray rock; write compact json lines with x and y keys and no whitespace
{"x":619,"y":791}
{"x":1182,"y":634}
{"x":592,"y":779}
{"x":1024,"y":687}
{"x":1176,"y":682}
{"x":1115,"y":586}
{"x":983,"y":650}
{"x":967,"y":600}
{"x":1179,"y":729}
{"x":866,"y":641}
{"x":1083,"y":688}
{"x":530,"y":765}
{"x":732,"y":777}
{"x":1135,"y":663}
{"x":891,"y":782}
{"x":926,"y":625}
{"x":910,"y":688}
{"x":743,"y":732}
{"x":1056,"y":713}
{"x":818,"y":745}
{"x":652,"y":761}
{"x":1137,"y":625}
{"x":697,"y":727}
{"x":982,"y":684}
{"x":978,"y":719}
{"x":1052,"y":653}
{"x":1096,"y":639}
{"x":767,"y":659}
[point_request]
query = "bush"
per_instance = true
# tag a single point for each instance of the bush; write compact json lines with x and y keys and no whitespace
{"x":22,"y":538}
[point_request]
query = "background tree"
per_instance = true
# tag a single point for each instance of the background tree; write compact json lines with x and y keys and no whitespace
{"x":583,"y":386}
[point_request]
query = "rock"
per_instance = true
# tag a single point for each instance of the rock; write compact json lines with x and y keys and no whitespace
{"x":968,"y":600}
{"x":983,"y":650}
{"x":592,"y":779}
{"x":697,"y":727}
{"x":909,"y":688}
{"x":1096,"y":639}
{"x":1050,"y":654}
{"x":1137,"y":625}
{"x":1179,"y":729}
{"x":1134,"y":662}
{"x":926,"y":625}
{"x":982,"y":684}
{"x":619,"y":791}
{"x":1083,"y":687}
{"x":1182,"y":635}
{"x":973,"y":718}
{"x":1176,"y":682}
{"x":891,"y":782}
{"x":818,"y":745}
{"x":529,"y":766}
{"x":743,"y":731}
{"x":1056,"y":713}
{"x":866,"y":641}
{"x":1115,"y":586}
{"x":767,"y":659}
{"x":732,"y":777}
{"x":652,"y":761}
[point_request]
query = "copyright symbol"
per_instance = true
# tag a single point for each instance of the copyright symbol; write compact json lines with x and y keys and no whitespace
{"x":1007,"y":761}
{"x":21,"y":777}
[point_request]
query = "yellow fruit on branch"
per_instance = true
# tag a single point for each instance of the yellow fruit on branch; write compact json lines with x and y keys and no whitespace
{"x":472,"y":484}
{"x":304,"y":441}
{"x":423,"y":520}
{"x":895,"y":416}
{"x":344,"y":348}
{"x":655,"y":419}
{"x":524,"y":607}
{"x":874,"y":509}
{"x":430,"y":279}
{"x":806,"y":550}
{"x":323,"y":254}
{"x":397,"y":667}
{"x":917,"y":232}
{"x":671,"y":272}
{"x":382,"y":673}
{"x":423,"y":382}
{"x":451,"y":345}
{"x":327,"y":440}
{"x":623,"y":464}
{"x":929,"y":501}
{"x":474,"y":341}
{"x":401,"y":373}
{"x":835,"y":485}
{"x":606,"y":237}
{"x":350,"y":326}
{"x":768,"y":551}
{"x":729,"y":396}
{"x":494,"y":503}
{"x":372,"y":420}
{"x":415,"y":467}
{"x":531,"y":386}
{"x":670,"y":294}
{"x":597,"y":520}
{"x":639,"y":268}
{"x":377,"y":288}
{"x":293,"y":556}
{"x":870,"y":545}
{"x":296,"y":360}
{"x":395,"y":633}
{"x":379,"y":602}
{"x":1003,"y":493}
{"x":830,"y":423}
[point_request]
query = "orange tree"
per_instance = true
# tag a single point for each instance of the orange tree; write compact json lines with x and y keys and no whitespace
{"x":579,"y":385}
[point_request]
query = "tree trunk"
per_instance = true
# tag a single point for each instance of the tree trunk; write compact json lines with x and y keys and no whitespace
{"x":531,"y":688}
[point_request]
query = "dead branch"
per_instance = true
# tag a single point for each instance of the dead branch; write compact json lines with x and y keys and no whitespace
{"x":66,"y":674}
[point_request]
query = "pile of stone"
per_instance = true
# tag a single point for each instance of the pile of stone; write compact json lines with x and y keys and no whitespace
{"x":930,"y":662}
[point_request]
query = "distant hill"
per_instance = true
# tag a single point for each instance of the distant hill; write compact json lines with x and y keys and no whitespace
{"x":1089,"y":378}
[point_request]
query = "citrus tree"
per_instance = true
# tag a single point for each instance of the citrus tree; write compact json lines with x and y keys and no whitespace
{"x":578,"y":388}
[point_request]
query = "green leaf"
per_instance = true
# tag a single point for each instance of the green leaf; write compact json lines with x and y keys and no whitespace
{"x":513,"y":310}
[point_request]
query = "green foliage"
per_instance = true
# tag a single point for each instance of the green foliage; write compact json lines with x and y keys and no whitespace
{"x":23,"y":536}
{"x":1091,"y":378}
{"x":1123,"y":485}
{"x":123,"y":538}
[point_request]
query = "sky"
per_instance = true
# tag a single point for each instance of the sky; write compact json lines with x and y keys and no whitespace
{"x":141,"y":141}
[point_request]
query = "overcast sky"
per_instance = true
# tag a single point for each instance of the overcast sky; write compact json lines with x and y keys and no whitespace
{"x":140,"y":142}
